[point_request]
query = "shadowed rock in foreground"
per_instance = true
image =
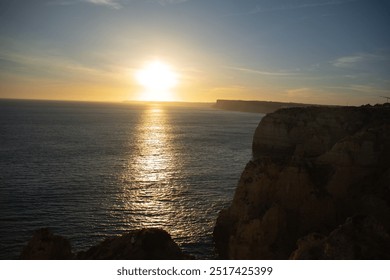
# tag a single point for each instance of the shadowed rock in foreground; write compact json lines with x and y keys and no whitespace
{"x":359,"y":237}
{"x":313,"y":169}
{"x":44,"y":245}
{"x":144,"y":244}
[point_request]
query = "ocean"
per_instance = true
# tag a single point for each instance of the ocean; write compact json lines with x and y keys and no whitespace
{"x":89,"y":171}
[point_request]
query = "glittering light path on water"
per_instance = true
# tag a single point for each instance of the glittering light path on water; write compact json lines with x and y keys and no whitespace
{"x":150,"y":188}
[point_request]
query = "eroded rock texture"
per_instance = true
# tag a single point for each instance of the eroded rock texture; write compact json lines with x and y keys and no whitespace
{"x":359,"y":237}
{"x":312,"y":169}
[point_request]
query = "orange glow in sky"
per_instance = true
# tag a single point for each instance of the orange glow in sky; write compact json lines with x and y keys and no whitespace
{"x":324,"y":52}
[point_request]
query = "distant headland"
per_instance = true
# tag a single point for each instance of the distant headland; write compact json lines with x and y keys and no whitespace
{"x":262,"y":107}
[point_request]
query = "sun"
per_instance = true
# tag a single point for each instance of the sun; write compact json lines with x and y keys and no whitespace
{"x":158,"y":79}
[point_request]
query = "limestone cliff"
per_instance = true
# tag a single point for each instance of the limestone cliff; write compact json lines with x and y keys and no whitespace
{"x":313,"y":170}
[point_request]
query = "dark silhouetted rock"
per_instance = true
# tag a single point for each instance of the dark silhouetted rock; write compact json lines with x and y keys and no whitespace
{"x":145,"y":244}
{"x":44,"y":245}
{"x":222,"y":231}
{"x":312,"y":169}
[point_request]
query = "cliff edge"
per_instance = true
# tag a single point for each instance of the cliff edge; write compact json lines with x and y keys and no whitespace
{"x":318,"y":187}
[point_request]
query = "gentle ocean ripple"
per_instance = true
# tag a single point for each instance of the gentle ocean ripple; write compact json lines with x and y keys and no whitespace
{"x":92,"y":170}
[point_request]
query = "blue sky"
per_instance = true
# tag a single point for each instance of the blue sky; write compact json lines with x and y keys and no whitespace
{"x":317,"y":51}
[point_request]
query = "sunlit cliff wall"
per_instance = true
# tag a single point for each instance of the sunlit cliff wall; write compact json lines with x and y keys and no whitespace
{"x":318,"y":187}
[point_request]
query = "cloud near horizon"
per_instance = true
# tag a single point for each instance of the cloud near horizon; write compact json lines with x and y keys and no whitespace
{"x":110,"y":3}
{"x":118,"y":4}
{"x":264,"y":73}
{"x":114,"y":4}
{"x":353,"y":60}
{"x":304,"y":5}
{"x":274,"y":7}
{"x":167,"y":2}
{"x":56,"y":67}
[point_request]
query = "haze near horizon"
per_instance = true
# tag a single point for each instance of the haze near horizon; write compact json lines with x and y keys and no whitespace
{"x":308,"y":51}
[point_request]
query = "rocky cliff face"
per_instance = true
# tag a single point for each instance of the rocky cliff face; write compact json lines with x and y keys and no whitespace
{"x":313,"y":170}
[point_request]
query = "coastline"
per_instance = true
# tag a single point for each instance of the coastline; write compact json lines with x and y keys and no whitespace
{"x":316,"y":188}
{"x":262,"y":107}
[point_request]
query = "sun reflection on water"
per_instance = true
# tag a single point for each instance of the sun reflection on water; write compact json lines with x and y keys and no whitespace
{"x":154,"y":157}
{"x":149,"y":190}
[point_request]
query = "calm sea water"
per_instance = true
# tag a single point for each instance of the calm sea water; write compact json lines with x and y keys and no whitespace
{"x":90,"y":170}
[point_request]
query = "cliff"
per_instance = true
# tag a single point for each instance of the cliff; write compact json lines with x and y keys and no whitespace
{"x":318,"y":187}
{"x":262,"y":107}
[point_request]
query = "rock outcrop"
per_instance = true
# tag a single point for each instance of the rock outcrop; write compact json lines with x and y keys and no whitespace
{"x":44,"y":245}
{"x":312,"y":169}
{"x":144,"y":244}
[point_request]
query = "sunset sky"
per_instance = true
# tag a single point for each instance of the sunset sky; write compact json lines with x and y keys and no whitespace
{"x":312,"y":51}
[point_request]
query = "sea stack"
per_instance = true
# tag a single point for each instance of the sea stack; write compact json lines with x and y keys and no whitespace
{"x":318,"y":187}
